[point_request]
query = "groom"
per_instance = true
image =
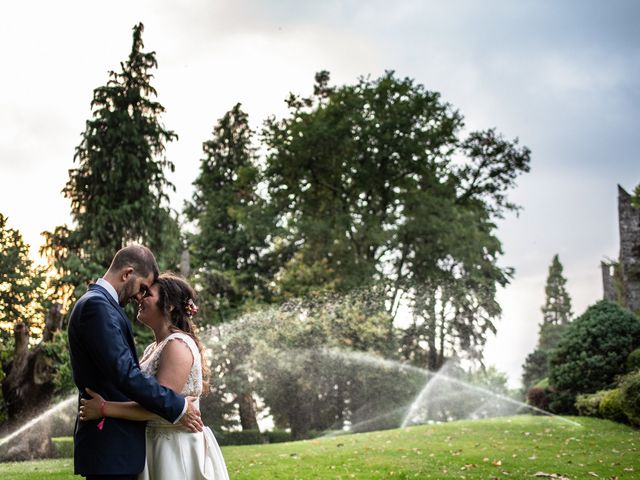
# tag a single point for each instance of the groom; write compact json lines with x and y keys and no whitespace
{"x":103,"y":358}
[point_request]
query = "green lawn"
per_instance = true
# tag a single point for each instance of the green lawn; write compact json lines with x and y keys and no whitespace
{"x":512,"y":447}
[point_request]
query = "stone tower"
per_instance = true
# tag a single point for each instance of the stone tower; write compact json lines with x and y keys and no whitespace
{"x":629,"y":220}
{"x":622,"y":282}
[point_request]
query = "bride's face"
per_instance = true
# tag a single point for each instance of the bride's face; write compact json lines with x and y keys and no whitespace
{"x":148,"y":311}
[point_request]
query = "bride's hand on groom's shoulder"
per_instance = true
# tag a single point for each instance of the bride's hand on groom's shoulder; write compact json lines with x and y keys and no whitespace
{"x":90,"y":408}
{"x":191,"y":419}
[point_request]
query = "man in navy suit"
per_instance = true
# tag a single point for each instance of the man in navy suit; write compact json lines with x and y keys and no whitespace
{"x":103,"y":358}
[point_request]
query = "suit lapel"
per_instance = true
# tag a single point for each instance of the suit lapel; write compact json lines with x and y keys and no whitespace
{"x":120,"y":310}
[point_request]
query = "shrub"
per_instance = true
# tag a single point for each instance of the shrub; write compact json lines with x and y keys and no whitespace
{"x":562,"y":402}
{"x":633,"y":360}
{"x":538,"y":397}
{"x":277,"y":436}
{"x":592,"y":352}
{"x":588,"y":405}
{"x":630,"y":392}
{"x":244,"y":437}
{"x":611,"y":406}
{"x":544,"y":383}
{"x":62,"y":447}
{"x":535,"y":367}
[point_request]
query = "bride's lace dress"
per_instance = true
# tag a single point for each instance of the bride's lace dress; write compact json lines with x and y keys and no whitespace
{"x":173,"y":452}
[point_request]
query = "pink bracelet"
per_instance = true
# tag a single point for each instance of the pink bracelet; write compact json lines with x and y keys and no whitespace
{"x":101,"y":422}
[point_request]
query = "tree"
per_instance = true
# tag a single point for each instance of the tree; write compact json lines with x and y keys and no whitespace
{"x":21,"y":283}
{"x":20,"y":286}
{"x":364,"y":180}
{"x":556,"y":315}
{"x":27,"y":372}
{"x":592,"y":352}
{"x":229,"y":249}
{"x":118,"y":189}
{"x":535,"y":368}
{"x":556,"y":312}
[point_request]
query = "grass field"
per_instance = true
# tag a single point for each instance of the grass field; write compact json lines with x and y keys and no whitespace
{"x":513,"y":447}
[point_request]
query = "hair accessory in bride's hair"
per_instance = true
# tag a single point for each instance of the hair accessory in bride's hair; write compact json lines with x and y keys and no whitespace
{"x":191,"y":308}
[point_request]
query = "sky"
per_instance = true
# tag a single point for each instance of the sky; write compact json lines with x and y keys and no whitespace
{"x":562,"y":77}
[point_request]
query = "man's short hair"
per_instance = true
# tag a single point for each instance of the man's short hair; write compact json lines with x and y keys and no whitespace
{"x":139,"y":257}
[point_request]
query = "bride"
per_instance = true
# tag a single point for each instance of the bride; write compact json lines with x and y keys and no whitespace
{"x":177,"y":360}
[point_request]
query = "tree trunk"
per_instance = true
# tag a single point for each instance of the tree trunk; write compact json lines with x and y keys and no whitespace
{"x":185,"y":263}
{"x":28,"y":386}
{"x":247,"y":410}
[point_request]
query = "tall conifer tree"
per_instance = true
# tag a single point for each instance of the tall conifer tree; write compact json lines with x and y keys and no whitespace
{"x":556,"y":315}
{"x":557,"y":307}
{"x":118,"y":188}
{"x":230,"y":243}
{"x":556,"y":311}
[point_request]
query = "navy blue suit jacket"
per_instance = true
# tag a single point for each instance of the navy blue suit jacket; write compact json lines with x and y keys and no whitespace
{"x":103,"y":358}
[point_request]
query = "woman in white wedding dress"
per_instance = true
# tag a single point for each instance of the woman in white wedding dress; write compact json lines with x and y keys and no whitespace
{"x":177,"y":360}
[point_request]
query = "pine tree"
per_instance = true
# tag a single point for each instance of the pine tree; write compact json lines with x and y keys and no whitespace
{"x":556,"y":312}
{"x":117,"y":190}
{"x":229,"y":247}
{"x":557,"y":308}
{"x":556,"y":315}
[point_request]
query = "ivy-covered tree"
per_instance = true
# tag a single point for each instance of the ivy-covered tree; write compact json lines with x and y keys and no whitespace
{"x":118,"y":190}
{"x":364,"y":179}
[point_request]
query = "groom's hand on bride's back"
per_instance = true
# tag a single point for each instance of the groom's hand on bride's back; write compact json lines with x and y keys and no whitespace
{"x":191,"y":418}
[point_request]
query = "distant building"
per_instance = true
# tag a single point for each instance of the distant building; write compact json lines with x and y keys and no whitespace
{"x":621,"y":279}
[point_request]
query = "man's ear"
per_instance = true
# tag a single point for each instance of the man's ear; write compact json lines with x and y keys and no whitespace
{"x":126,"y":273}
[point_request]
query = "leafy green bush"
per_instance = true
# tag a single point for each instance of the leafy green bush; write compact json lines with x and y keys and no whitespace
{"x":588,"y":404}
{"x":6,"y":356}
{"x":544,"y":383}
{"x":592,"y":353}
{"x":62,"y":447}
{"x":630,"y":392}
{"x":611,"y":406}
{"x":633,"y":360}
{"x":57,"y":349}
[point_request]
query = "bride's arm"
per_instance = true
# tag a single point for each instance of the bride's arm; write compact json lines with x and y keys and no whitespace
{"x":175,"y":364}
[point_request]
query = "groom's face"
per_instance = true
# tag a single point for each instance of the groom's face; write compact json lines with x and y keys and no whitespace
{"x":134,"y":288}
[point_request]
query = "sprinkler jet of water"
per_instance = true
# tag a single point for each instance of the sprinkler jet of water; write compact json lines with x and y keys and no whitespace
{"x":423,"y":397}
{"x":51,"y":411}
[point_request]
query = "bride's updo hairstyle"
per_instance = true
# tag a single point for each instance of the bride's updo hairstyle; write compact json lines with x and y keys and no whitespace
{"x":175,"y":292}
